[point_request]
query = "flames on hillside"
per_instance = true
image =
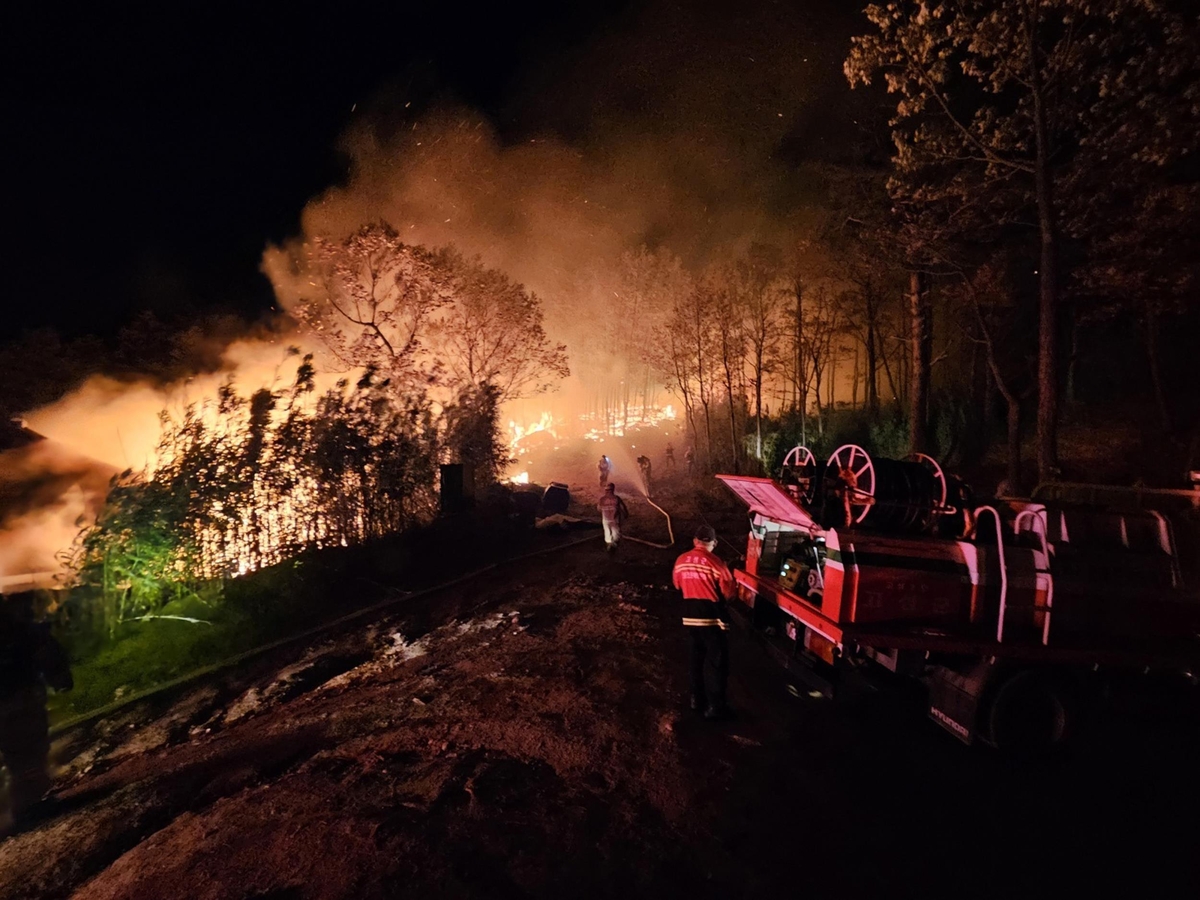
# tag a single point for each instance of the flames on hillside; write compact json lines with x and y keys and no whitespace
{"x":109,"y":428}
{"x":549,"y":433}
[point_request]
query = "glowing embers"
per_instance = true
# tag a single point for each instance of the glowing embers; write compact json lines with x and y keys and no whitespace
{"x":616,"y":425}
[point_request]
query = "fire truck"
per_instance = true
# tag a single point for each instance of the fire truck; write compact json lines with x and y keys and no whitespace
{"x":1012,"y":613}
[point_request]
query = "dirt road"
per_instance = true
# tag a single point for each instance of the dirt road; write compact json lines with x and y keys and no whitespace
{"x":524,"y":735}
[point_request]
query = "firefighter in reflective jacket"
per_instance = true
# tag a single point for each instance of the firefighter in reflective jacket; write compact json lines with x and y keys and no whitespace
{"x":706,"y":582}
{"x":613,"y":513}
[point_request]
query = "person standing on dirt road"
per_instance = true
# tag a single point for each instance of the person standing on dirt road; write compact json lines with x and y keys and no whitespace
{"x":706,"y":583}
{"x":670,"y":457}
{"x":604,"y":467}
{"x":30,"y":659}
{"x":613,"y":513}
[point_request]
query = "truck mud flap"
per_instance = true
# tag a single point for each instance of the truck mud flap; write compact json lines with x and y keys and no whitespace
{"x":954,"y":699}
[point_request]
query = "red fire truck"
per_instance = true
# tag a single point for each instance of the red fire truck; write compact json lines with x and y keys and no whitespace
{"x":1012,"y":613}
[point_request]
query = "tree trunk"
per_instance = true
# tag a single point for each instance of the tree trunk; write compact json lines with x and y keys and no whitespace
{"x":1150,"y":332}
{"x":625,"y":388}
{"x":817,"y":393}
{"x":733,"y":441}
{"x":921,"y":353}
{"x":704,"y":395}
{"x":758,"y":413}
{"x":854,"y":381}
{"x":801,"y":367}
{"x":832,"y":376}
{"x":1047,"y":412}
{"x":1072,"y":360}
{"x":1014,"y":445}
{"x":872,"y":386}
{"x":887,"y":372}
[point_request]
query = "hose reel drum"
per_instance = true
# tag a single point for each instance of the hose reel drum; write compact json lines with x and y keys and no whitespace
{"x":888,"y":494}
{"x":858,"y":489}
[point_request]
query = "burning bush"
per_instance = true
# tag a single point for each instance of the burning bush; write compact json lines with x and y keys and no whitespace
{"x":250,"y":481}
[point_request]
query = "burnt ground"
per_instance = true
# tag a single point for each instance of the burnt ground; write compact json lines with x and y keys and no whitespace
{"x":524,"y":734}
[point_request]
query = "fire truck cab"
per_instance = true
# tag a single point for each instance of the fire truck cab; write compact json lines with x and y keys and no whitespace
{"x":1010,"y":612}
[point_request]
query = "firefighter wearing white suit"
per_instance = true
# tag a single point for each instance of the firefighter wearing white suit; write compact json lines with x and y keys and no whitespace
{"x":613,"y":513}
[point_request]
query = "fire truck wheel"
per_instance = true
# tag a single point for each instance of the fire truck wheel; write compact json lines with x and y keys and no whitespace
{"x":1032,"y":712}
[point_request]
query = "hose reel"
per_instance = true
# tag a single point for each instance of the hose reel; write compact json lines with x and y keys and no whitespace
{"x":877,"y":492}
{"x":855,"y":488}
{"x":800,"y":473}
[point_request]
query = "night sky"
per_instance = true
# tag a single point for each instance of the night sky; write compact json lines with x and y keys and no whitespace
{"x":158,"y":151}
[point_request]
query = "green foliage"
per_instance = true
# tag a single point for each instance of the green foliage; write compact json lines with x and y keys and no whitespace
{"x":889,"y":435}
{"x":957,"y":428}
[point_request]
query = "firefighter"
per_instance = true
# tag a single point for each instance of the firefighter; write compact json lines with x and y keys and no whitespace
{"x":30,"y":659}
{"x":613,"y":514}
{"x":706,"y":583}
{"x":644,"y":465}
{"x":689,"y":457}
{"x":604,"y":467}
{"x":670,"y":457}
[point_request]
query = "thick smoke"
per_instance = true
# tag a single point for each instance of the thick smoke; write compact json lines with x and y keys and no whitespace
{"x":674,"y":128}
{"x":53,"y":487}
{"x":669,"y":130}
{"x":548,"y":214}
{"x":117,"y":422}
{"x":48,"y":492}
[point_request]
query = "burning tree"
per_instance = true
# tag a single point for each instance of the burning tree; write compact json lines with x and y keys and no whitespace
{"x":372,"y":301}
{"x":492,"y":332}
{"x":422,"y":318}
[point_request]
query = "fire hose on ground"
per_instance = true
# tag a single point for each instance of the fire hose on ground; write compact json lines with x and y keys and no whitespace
{"x":670,"y":530}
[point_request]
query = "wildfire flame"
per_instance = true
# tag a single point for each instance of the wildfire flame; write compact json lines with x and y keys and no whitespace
{"x":639,"y":417}
{"x":117,"y":426}
{"x":520,"y":432}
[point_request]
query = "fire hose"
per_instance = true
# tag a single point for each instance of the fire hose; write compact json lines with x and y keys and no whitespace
{"x":670,"y":530}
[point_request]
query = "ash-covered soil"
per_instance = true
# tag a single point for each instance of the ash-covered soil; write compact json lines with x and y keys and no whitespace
{"x":524,"y":734}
